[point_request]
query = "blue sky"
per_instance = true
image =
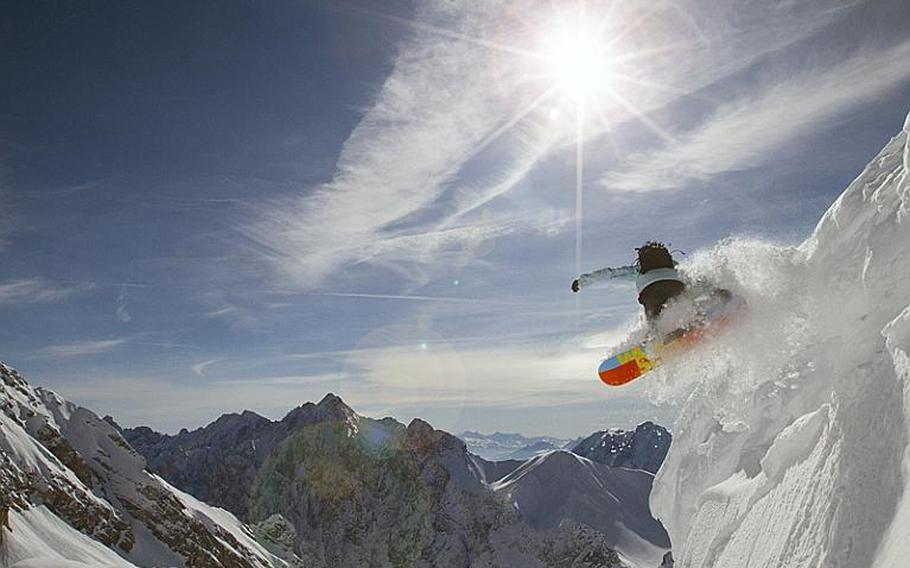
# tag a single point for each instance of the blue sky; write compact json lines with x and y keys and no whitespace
{"x":212,"y":206}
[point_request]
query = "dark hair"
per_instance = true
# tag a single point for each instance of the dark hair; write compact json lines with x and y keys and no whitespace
{"x":654,"y":254}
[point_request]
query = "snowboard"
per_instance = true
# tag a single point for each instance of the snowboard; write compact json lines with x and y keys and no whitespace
{"x":631,"y":363}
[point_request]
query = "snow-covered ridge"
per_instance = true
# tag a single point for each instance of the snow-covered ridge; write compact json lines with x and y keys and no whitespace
{"x":73,"y":492}
{"x":790,"y":450}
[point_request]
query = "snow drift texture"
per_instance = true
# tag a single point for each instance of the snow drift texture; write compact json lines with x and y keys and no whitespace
{"x":790,"y":447}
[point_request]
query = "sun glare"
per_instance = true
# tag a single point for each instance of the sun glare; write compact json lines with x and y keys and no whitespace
{"x":576,"y":61}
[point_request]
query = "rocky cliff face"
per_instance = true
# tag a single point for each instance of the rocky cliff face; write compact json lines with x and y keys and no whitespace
{"x":70,"y":482}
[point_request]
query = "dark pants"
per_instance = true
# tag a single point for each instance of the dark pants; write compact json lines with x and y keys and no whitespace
{"x":656,"y":296}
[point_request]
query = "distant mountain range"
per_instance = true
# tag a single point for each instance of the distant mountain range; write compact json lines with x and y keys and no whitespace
{"x":511,"y":446}
{"x":643,"y":448}
{"x":322,"y":487}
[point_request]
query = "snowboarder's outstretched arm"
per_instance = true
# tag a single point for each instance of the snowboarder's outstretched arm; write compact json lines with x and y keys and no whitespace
{"x":610,"y":273}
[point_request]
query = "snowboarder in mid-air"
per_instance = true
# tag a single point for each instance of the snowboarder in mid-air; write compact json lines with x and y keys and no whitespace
{"x":659,"y":284}
{"x":656,"y":278}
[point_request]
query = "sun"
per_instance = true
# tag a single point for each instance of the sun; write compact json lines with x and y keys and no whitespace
{"x":576,"y":60}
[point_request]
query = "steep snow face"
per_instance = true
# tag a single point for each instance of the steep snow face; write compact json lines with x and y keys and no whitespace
{"x":789,"y":448}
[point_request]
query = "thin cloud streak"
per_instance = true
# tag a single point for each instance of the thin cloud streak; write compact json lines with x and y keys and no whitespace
{"x":79,"y":348}
{"x":221,"y":312}
{"x":742,"y":134}
{"x":31,"y":291}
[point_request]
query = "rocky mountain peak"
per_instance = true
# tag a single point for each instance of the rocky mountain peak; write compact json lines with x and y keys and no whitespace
{"x":644,"y":448}
{"x":422,"y":437}
{"x":336,"y":407}
{"x":332,"y":400}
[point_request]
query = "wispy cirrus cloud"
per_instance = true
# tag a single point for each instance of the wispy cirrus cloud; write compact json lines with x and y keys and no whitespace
{"x":433,"y":111}
{"x":742,"y":134}
{"x":31,"y":291}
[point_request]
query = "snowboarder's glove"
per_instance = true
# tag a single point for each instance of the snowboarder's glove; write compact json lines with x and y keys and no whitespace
{"x":575,"y":285}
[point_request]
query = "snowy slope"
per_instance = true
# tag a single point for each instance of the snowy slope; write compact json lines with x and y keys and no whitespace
{"x":789,"y":450}
{"x":38,"y":537}
{"x":73,"y":491}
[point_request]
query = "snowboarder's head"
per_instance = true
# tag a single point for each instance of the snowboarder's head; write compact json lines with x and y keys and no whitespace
{"x":653,"y":254}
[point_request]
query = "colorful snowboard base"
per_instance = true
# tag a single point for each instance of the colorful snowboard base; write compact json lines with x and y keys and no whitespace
{"x":626,"y":366}
{"x":632,"y":363}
